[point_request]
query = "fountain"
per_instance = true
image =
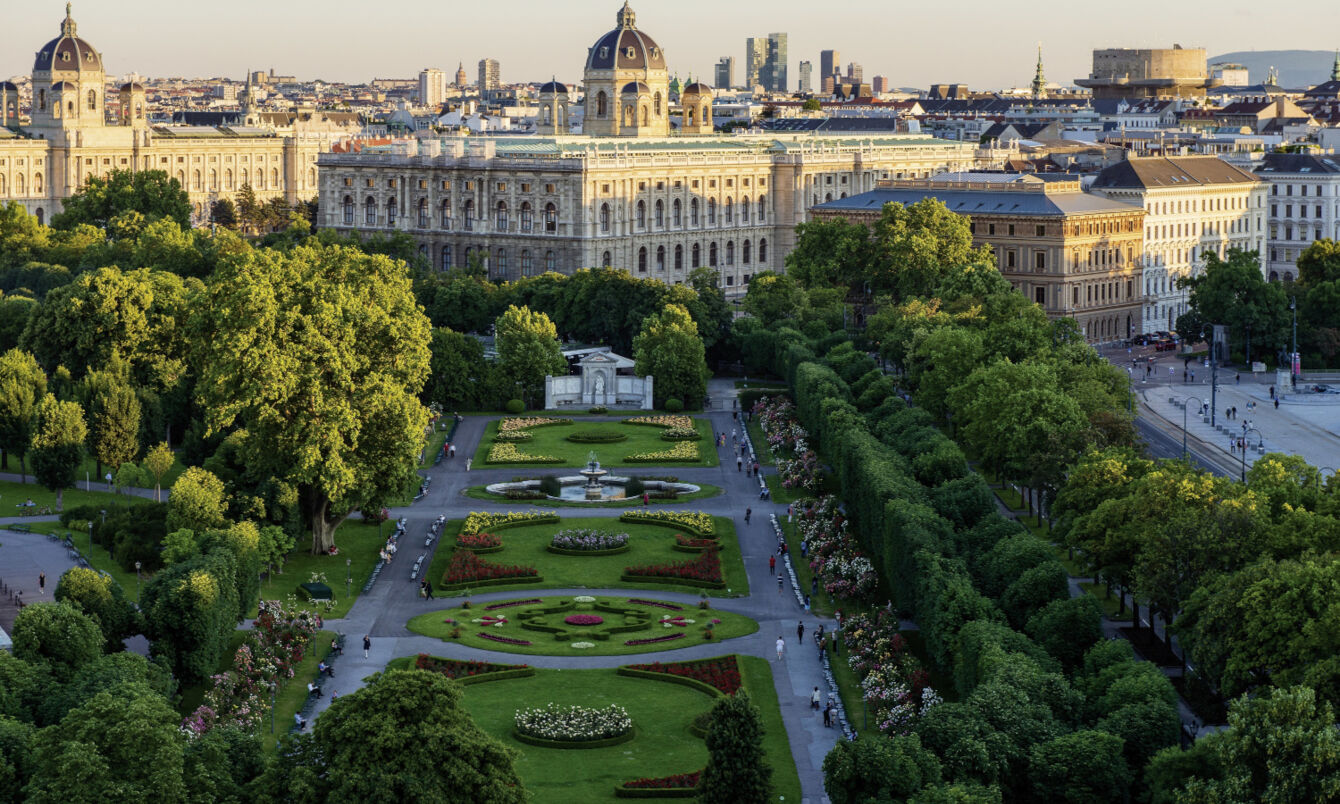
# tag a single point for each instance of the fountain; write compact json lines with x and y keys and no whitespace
{"x":593,"y":473}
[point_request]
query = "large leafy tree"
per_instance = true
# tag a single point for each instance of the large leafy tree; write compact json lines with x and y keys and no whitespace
{"x":460,"y":378}
{"x":403,"y":737}
{"x":57,"y":445}
{"x":528,"y":350}
{"x":190,"y":612}
{"x":22,"y":386}
{"x":669,"y":349}
{"x":736,"y":769}
{"x":773,"y":298}
{"x":152,"y":193}
{"x":830,"y":252}
{"x":1232,"y":291}
{"x":320,"y":354}
{"x":100,"y":596}
{"x":57,"y":635}
{"x":1085,"y":767}
{"x":198,"y":501}
{"x":114,"y":415}
{"x":863,"y":771}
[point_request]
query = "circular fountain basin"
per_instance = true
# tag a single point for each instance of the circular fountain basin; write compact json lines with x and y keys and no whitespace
{"x":574,"y":488}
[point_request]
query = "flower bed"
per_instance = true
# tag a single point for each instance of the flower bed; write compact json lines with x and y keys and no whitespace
{"x":693,"y":545}
{"x":654,"y":640}
{"x":512,"y":424}
{"x":664,"y":420}
{"x":484,"y":523}
{"x":595,"y":437}
{"x":656,"y":603}
{"x":695,"y":522}
{"x":467,"y":568}
{"x":583,"y":619}
{"x":681,"y":451}
{"x":463,"y":670}
{"x":681,"y":434}
{"x":516,"y":435}
{"x":705,"y":570}
{"x":502,"y":639}
{"x":508,"y":453}
{"x":528,"y":602}
{"x":586,"y":540}
{"x":893,"y":683}
{"x":722,"y":673}
{"x":680,"y":785}
{"x":479,"y":542}
{"x":573,"y":724}
{"x":834,"y":554}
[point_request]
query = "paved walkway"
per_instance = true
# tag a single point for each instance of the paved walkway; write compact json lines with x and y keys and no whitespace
{"x":23,"y":558}
{"x":393,"y":600}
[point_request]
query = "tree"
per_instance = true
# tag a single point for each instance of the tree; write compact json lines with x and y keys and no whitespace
{"x":104,"y":674}
{"x":1232,"y":291}
{"x":714,"y":320}
{"x":319,"y":353}
{"x":57,"y":635}
{"x":224,"y":213}
{"x":1067,"y":628}
{"x":773,"y":298}
{"x":120,"y":745}
{"x":190,"y":613}
{"x":57,"y":446}
{"x":152,"y":193}
{"x":736,"y":770}
{"x":22,"y":386}
{"x":1079,"y":768}
{"x":830,"y":252}
{"x":877,"y":770}
{"x":669,"y":350}
{"x":459,"y":377}
{"x":113,"y":415}
{"x":275,"y":545}
{"x":102,"y":598}
{"x":157,"y":461}
{"x":250,"y":213}
{"x":405,"y":737}
{"x":198,"y":501}
{"x":528,"y":350}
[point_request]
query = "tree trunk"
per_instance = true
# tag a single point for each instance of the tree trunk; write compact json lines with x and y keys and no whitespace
{"x":323,"y":531}
{"x":4,"y":460}
{"x":60,"y":500}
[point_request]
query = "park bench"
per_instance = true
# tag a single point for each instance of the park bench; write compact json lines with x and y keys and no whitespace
{"x":21,"y":528}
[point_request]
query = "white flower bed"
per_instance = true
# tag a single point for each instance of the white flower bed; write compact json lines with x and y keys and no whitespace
{"x":573,"y":723}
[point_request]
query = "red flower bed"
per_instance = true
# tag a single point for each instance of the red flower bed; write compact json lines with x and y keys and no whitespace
{"x":502,"y":639}
{"x":706,"y":567}
{"x":478,"y":541}
{"x":466,"y":567}
{"x":652,"y":640}
{"x":679,"y":780}
{"x":658,"y":604}
{"x":455,"y":668}
{"x":686,"y":541}
{"x":583,"y":619}
{"x":722,"y":673}
{"x":511,"y":603}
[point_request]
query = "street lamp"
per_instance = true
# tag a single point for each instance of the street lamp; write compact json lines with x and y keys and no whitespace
{"x":1293,"y":355}
{"x":1202,"y":405}
{"x":1242,"y":453}
{"x":273,"y":689}
{"x":137,"y":582}
{"x":348,"y":577}
{"x":90,"y":538}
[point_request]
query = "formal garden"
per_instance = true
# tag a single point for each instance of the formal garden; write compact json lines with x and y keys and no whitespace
{"x":550,"y":441}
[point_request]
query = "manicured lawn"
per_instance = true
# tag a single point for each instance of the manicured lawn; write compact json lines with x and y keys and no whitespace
{"x":757,"y":676}
{"x":434,"y":624}
{"x":358,"y":543}
{"x":1011,"y":498}
{"x":641,"y":439}
{"x":821,"y":603}
{"x":434,"y":446}
{"x":293,"y":692}
{"x":649,"y":544}
{"x":760,"y":443}
{"x":13,"y":495}
{"x":705,"y":490}
{"x":782,"y":494}
{"x":99,"y":559}
{"x":1111,"y":604}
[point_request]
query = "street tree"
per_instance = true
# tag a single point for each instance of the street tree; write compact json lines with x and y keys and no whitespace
{"x":223,"y":213}
{"x":736,"y":771}
{"x":528,"y":350}
{"x":57,"y":445}
{"x":773,"y":298}
{"x":22,"y":386}
{"x":1232,"y":291}
{"x":668,"y":348}
{"x":198,"y":501}
{"x":157,"y":462}
{"x":152,"y":193}
{"x":864,"y":771}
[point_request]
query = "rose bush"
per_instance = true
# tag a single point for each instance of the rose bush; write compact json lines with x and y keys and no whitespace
{"x":466,"y":567}
{"x":706,"y":567}
{"x":588,"y":539}
{"x":683,"y":422}
{"x":512,"y":424}
{"x":583,"y":619}
{"x":722,"y":673}
{"x":478,"y":541}
{"x":573,"y":723}
{"x":895,"y":686}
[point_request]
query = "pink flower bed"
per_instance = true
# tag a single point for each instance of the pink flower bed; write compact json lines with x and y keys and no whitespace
{"x":654,"y":640}
{"x":502,"y":639}
{"x":656,"y":603}
{"x":583,"y":619}
{"x":511,"y":603}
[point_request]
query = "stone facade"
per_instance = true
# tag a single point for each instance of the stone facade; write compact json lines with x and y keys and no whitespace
{"x":1304,"y":207}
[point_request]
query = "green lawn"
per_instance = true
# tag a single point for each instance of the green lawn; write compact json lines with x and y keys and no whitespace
{"x":99,"y":559}
{"x":760,"y":443}
{"x":89,"y":468}
{"x":661,"y":712}
{"x":434,"y":624}
{"x":1072,"y":566}
{"x":705,"y":490}
{"x":434,"y":446}
{"x":1011,"y":498}
{"x":358,"y":543}
{"x":780,"y":493}
{"x":649,"y":544}
{"x":641,"y":439}
{"x":13,"y":495}
{"x":821,"y":603}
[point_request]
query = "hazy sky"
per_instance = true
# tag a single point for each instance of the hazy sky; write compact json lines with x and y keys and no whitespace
{"x":986,"y":44}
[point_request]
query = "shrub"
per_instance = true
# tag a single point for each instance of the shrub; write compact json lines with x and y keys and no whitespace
{"x":520,"y":435}
{"x":681,"y":434}
{"x":598,"y":410}
{"x":508,"y":453}
{"x":515,"y":406}
{"x":693,"y":521}
{"x":478,"y":541}
{"x":634,"y":487}
{"x":588,"y":540}
{"x":550,"y":487}
{"x":595,"y":437}
{"x":705,"y":569}
{"x":722,"y":673}
{"x":681,"y":451}
{"x":573,"y":723}
{"x":466,"y":567}
{"x":478,"y":522}
{"x":674,"y":405}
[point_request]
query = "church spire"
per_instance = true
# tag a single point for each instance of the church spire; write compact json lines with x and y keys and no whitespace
{"x":1335,"y":68}
{"x":67,"y":26}
{"x":1039,"y":80}
{"x":626,"y":18}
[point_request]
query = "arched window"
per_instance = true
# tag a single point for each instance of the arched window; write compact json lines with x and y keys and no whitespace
{"x":348,"y":207}
{"x":744,"y":210}
{"x":525,"y":262}
{"x":500,"y":261}
{"x":274,"y":179}
{"x":391,"y":209}
{"x":712,"y":255}
{"x":228,"y":179}
{"x":37,"y":183}
{"x":828,"y":197}
{"x":660,"y":214}
{"x":423,"y":213}
{"x":640,"y":215}
{"x":2,"y":184}
{"x":656,"y":103}
{"x":695,"y":256}
{"x":762,"y":210}
{"x":745,"y":249}
{"x":693,"y":212}
{"x":423,"y":251}
{"x":675,"y":218}
{"x":260,"y":178}
{"x":550,"y":263}
{"x":370,"y":211}
{"x":446,"y":258}
{"x":468,"y":213}
{"x":660,"y":258}
{"x":181,"y":179}
{"x":551,"y":218}
{"x":213,"y":180}
{"x":679,"y":258}
{"x":711,"y":212}
{"x":19,"y":183}
{"x":730,"y":211}
{"x":688,"y":116}
{"x":642,"y":260}
{"x":645,"y":117}
{"x":547,"y":116}
{"x":502,"y":216}
{"x":527,"y":217}
{"x":628,"y":116}
{"x":605,"y":260}
{"x":195,"y":181}
{"x":707,"y":113}
{"x":243,"y":176}
{"x":69,"y":107}
{"x":446,"y":214}
{"x":730,"y":252}
{"x":605,"y":218}
{"x":42,"y":100}
{"x":92,"y":100}
{"x":601,"y":104}
{"x":763,"y":250}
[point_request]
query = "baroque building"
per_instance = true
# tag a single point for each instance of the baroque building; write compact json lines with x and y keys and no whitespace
{"x":631,"y":192}
{"x":69,"y":139}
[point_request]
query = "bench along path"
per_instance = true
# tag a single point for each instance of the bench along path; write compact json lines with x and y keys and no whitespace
{"x":383,"y":611}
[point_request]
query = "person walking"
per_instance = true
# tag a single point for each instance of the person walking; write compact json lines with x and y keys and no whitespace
{"x":467,"y":464}
{"x":755,"y":468}
{"x":834,"y":634}
{"x":367,"y":645}
{"x":828,"y":715}
{"x":646,"y":499}
{"x":739,"y":464}
{"x":814,"y":587}
{"x":42,"y":582}
{"x":790,"y":511}
{"x":748,"y":512}
{"x":428,"y":587}
{"x":1277,"y":403}
{"x":772,"y":565}
{"x":815,"y":697}
{"x":800,"y":631}
{"x":781,"y":648}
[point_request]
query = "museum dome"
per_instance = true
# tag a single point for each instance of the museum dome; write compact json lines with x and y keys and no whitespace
{"x":697,"y":88}
{"x":68,"y":52}
{"x":553,"y":87}
{"x":625,"y":47}
{"x":635,"y":88}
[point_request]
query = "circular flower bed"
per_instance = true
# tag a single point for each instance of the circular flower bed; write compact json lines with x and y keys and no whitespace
{"x":579,"y":725}
{"x":585,"y":541}
{"x":583,"y":645}
{"x":583,"y":619}
{"x":582,"y":599}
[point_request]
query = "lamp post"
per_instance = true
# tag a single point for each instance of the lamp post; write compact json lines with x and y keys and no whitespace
{"x":273,"y":688}
{"x":137,"y":582}
{"x":1293,"y":354}
{"x":348,"y":577}
{"x":90,"y":538}
{"x":1202,"y":405}
{"x":1242,"y":453}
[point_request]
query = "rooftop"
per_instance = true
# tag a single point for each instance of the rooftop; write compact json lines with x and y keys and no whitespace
{"x":986,"y":194}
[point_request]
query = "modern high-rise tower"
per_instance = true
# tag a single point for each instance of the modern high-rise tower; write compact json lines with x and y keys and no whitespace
{"x":774,"y":66}
{"x":725,"y":73}
{"x":830,"y":64}
{"x":432,"y":87}
{"x":806,"y":80}
{"x":490,"y":75}
{"x":755,"y":55}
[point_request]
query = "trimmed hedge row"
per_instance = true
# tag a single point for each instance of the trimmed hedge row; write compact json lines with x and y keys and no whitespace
{"x":637,"y":519}
{"x":563,"y":551}
{"x":603,"y":743}
{"x":481,"y":551}
{"x":595,"y":438}
{"x":673,"y":679}
{"x":493,"y":582}
{"x":681,"y":581}
{"x":501,"y":675}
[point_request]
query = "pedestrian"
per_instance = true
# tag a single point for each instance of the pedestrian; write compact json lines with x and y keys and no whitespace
{"x":1277,"y":403}
{"x":828,"y":716}
{"x":1237,"y":379}
{"x":748,"y":512}
{"x":467,"y":464}
{"x":807,"y":604}
{"x":804,"y":547}
{"x":1272,"y":392}
{"x":734,"y":415}
{"x":772,"y":565}
{"x":814,"y":586}
{"x":755,"y":468}
{"x":781,"y":647}
{"x":779,"y":583}
{"x":453,"y":451}
{"x":834,"y":634}
{"x":1193,"y":376}
{"x":800,"y":631}
{"x":298,"y":721}
{"x":815,"y":697}
{"x":748,"y":470}
{"x":739,"y":464}
{"x":428,"y":585}
{"x":819,"y":635}
{"x":790,"y":510}
{"x":1184,"y":373}
{"x":367,"y":645}
{"x":42,"y":581}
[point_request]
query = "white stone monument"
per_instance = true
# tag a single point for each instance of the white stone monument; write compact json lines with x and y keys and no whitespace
{"x":599,"y":384}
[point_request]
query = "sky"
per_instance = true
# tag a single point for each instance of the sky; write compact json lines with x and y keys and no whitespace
{"x":984,"y":43}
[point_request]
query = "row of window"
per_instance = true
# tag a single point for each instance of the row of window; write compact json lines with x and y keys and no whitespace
{"x":1164,"y":231}
{"x":695,"y":255}
{"x":1302,"y":210}
{"x":210,"y":180}
{"x":728,"y":209}
{"x":502,"y":215}
{"x":21,"y":184}
{"x":1180,"y":206}
{"x":1317,"y":232}
{"x":1288,"y":190}
{"x":498,"y":259}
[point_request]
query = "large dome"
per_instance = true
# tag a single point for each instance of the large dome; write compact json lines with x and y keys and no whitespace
{"x":625,"y":47}
{"x":67,"y":51}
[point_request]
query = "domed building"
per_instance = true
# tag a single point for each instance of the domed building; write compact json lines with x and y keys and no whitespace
{"x":696,"y":103}
{"x":553,"y":109}
{"x":67,"y":81}
{"x":627,"y":83}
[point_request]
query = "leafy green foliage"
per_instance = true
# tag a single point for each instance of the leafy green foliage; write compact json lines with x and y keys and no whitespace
{"x":57,"y":444}
{"x":736,"y":770}
{"x":528,"y":351}
{"x":58,"y":636}
{"x":190,"y":610}
{"x":151,"y":193}
{"x":22,"y":385}
{"x":1233,"y":291}
{"x":669,"y":350}
{"x":1084,"y":767}
{"x":878,"y":770}
{"x":100,"y":597}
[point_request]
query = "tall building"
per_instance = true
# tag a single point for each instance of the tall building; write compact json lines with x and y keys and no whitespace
{"x":725,"y":73}
{"x":490,"y":75}
{"x":1039,"y":85}
{"x":755,"y":56}
{"x":1154,"y":73}
{"x":627,"y":83}
{"x":775,"y":65}
{"x":880,"y":84}
{"x":432,"y":87}
{"x":855,"y":73}
{"x":806,"y":84}
{"x":461,"y":78}
{"x":830,"y":62}
{"x":1304,"y":207}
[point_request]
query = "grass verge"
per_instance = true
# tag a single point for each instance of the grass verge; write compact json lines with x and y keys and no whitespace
{"x":765,"y":457}
{"x":782,"y":494}
{"x":757,"y":676}
{"x":13,"y":495}
{"x":1111,"y":603}
{"x":358,"y":543}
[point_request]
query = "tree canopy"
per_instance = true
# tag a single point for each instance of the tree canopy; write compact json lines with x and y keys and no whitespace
{"x":152,"y":193}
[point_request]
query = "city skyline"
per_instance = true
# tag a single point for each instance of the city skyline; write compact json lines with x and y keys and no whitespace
{"x":550,"y":40}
